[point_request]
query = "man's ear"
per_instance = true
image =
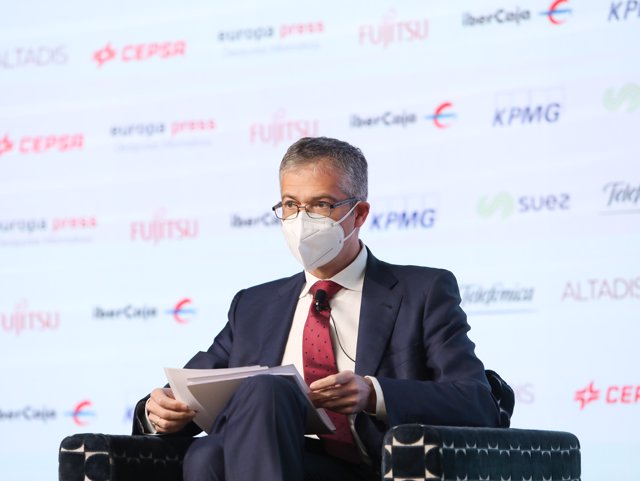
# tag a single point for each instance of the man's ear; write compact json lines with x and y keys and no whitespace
{"x":361,"y":211}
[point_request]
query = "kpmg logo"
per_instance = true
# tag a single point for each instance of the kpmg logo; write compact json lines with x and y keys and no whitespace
{"x":503,"y":204}
{"x":558,"y":12}
{"x":385,"y":119}
{"x":81,"y":413}
{"x":497,"y":297}
{"x":622,"y":11}
{"x":25,"y":319}
{"x":417,"y":212}
{"x":140,"y":52}
{"x":28,"y":413}
{"x":40,"y":56}
{"x":393,"y":31}
{"x":443,"y":116}
{"x":600,"y":289}
{"x":501,"y":16}
{"x":162,"y":228}
{"x":282,"y":129}
{"x":523,"y":108}
{"x":182,"y":312}
{"x":40,"y":144}
{"x":628,"y":394}
{"x":625,"y":98}
{"x":242,"y":221}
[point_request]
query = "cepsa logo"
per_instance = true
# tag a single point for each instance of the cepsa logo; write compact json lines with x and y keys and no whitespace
{"x":558,"y":12}
{"x":25,"y":319}
{"x":281,"y":129}
{"x":182,"y":312}
{"x":622,"y":11}
{"x":41,"y":143}
{"x":393,"y":31}
{"x":612,"y":289}
{"x":415,"y":212}
{"x":628,"y":394}
{"x":524,"y":108}
{"x":81,"y":413}
{"x":503,"y":204}
{"x":162,"y":228}
{"x":140,"y":52}
{"x":615,"y":99}
{"x":40,"y":56}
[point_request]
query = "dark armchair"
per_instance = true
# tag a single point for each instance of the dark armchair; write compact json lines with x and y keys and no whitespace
{"x":410,"y":452}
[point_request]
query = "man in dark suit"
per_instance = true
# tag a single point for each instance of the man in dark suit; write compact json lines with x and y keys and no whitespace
{"x":396,"y":348}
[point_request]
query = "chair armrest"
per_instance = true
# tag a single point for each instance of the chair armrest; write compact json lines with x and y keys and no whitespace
{"x":416,"y":452}
{"x":86,"y":457}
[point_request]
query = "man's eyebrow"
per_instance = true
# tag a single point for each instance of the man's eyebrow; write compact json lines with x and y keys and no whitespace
{"x":323,"y":197}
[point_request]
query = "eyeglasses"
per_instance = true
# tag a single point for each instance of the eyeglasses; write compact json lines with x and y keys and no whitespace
{"x":288,"y":210}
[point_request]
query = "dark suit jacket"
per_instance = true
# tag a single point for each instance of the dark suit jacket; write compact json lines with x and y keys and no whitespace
{"x":412,"y":337}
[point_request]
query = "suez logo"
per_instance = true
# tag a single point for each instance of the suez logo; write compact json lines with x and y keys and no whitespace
{"x":556,"y":14}
{"x":54,"y":225}
{"x":598,"y":289}
{"x":528,"y":107}
{"x":162,"y":228}
{"x":504,"y":205}
{"x":282,"y":129}
{"x":615,"y":99}
{"x":616,"y":394}
{"x":622,"y":197}
{"x":181,"y":313}
{"x":79,"y":414}
{"x":26,"y":319}
{"x":284,"y":31}
{"x":33,"y":56}
{"x":391,"y":31}
{"x":442,"y":117}
{"x":622,"y":11}
{"x":156,"y":129}
{"x":140,"y":52}
{"x":41,"y":143}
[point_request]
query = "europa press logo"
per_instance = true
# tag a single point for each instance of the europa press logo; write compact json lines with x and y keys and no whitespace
{"x":81,"y":413}
{"x":443,"y":116}
{"x":558,"y":12}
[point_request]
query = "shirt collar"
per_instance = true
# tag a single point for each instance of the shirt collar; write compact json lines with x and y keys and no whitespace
{"x":351,"y":277}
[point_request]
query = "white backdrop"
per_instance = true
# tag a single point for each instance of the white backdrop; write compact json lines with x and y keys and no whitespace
{"x":139,"y":147}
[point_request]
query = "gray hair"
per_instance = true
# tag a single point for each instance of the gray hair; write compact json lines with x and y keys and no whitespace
{"x":335,"y":154}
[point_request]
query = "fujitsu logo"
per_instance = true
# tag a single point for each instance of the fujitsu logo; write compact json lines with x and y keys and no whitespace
{"x":391,"y":31}
{"x":162,"y":228}
{"x":140,"y":52}
{"x":25,"y":319}
{"x":614,"y":394}
{"x":40,"y":144}
{"x":281,"y":129}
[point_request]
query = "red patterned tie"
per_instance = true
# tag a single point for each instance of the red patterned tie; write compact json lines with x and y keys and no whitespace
{"x":320,"y":361}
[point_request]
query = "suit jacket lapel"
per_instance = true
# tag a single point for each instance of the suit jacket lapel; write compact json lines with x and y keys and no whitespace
{"x":380,"y":305}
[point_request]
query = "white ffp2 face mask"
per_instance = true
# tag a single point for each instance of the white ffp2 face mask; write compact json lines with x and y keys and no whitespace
{"x":315,"y":242}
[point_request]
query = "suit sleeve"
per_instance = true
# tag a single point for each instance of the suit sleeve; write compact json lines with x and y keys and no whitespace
{"x":456,"y":391}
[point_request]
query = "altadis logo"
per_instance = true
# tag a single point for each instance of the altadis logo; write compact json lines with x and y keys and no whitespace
{"x":614,"y":99}
{"x":502,"y":204}
{"x":442,"y":117}
{"x":81,"y":412}
{"x":557,"y":12}
{"x":180,"y":310}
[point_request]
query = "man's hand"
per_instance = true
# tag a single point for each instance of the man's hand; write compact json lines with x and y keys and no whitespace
{"x":345,"y":393}
{"x":165,"y":413}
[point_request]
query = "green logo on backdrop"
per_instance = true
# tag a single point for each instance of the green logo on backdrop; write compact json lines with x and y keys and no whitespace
{"x":502,"y":204}
{"x":615,"y":99}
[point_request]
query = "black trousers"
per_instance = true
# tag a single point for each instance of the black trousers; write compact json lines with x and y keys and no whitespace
{"x":259,"y":435}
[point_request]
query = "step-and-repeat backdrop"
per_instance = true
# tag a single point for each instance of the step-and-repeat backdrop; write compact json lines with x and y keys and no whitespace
{"x":139,"y":148}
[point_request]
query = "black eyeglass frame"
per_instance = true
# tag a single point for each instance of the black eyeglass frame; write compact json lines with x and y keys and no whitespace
{"x":314,"y":216}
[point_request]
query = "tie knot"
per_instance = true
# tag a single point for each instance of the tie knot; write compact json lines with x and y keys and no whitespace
{"x":330,"y":287}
